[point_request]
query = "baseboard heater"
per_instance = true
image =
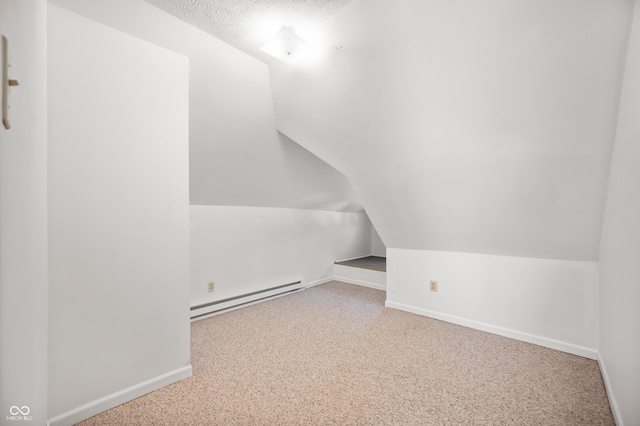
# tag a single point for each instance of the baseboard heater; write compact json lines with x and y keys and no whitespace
{"x":218,"y":306}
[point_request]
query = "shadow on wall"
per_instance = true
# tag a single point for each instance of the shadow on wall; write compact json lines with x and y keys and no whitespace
{"x":319,"y":186}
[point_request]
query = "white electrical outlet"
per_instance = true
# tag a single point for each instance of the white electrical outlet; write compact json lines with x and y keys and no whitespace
{"x":433,"y":285}
{"x":211,"y":286}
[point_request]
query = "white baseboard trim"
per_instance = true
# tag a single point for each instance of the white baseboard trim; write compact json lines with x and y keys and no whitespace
{"x":612,"y":400}
{"x":502,"y":331}
{"x":360,"y":283}
{"x":320,"y":281}
{"x":103,"y":404}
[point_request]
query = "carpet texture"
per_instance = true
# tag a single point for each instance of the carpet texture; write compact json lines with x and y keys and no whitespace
{"x":334,"y":355}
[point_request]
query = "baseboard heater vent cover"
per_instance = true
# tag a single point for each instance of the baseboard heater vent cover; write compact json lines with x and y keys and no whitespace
{"x":219,"y":306}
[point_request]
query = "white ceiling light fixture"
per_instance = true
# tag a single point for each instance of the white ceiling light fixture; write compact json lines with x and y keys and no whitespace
{"x":288,"y":47}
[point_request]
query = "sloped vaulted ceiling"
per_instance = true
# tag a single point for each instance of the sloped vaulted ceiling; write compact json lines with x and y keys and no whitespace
{"x":482,"y":127}
{"x":236,"y":156}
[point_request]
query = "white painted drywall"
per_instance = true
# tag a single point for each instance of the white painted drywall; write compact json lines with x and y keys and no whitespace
{"x":482,"y":127}
{"x":246,"y":249}
{"x":360,"y":276}
{"x":377,"y":245}
{"x":118,"y":214}
{"x":237,"y":157}
{"x":23,"y":216}
{"x":619,"y":295}
{"x":547,"y":302}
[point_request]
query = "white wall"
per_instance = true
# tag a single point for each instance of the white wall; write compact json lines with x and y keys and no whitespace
{"x":118,"y":217}
{"x":377,"y":245}
{"x":245,"y":249}
{"x":360,"y":276}
{"x":619,"y":295}
{"x":482,"y":127}
{"x":23,"y":216}
{"x":548,"y":302}
{"x":237,"y":157}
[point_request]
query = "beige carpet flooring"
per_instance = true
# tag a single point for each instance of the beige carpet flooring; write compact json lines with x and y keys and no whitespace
{"x":334,"y":355}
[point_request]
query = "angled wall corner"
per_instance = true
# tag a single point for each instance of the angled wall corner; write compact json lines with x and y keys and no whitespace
{"x":236,"y":156}
{"x":466,"y":127}
{"x":619,"y":291}
{"x":313,"y":183}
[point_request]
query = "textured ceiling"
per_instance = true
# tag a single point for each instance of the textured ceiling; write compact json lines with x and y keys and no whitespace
{"x":248,"y":24}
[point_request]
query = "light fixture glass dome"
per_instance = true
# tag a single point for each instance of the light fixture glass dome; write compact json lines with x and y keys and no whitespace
{"x":288,"y":47}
